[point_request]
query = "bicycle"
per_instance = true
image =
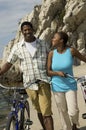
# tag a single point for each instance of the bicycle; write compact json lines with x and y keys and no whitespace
{"x":82,"y":82}
{"x":19,"y":117}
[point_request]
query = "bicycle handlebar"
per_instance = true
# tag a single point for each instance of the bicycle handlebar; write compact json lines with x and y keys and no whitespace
{"x":37,"y":81}
{"x":78,"y":78}
{"x":10,"y":88}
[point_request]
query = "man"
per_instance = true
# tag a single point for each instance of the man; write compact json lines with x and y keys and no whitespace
{"x":32,"y":54}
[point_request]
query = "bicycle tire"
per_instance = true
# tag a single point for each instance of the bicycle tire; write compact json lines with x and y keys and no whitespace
{"x":27,"y":108}
{"x":11,"y":123}
{"x":25,"y":115}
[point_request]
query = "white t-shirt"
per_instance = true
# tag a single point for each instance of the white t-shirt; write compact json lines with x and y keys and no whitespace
{"x":31,"y":47}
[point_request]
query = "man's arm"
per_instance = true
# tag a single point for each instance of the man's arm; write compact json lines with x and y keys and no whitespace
{"x":5,"y":68}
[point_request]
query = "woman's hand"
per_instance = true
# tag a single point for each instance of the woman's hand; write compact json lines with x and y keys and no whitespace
{"x":60,"y":73}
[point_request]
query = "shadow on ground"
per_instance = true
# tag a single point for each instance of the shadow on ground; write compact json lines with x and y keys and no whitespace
{"x":83,"y":128}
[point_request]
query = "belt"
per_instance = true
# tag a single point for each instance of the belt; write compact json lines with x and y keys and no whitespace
{"x":39,"y":82}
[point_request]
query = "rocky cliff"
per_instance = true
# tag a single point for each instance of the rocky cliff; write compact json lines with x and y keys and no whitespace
{"x":51,"y":16}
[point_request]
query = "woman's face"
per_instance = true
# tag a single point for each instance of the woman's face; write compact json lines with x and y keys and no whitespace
{"x":56,"y":40}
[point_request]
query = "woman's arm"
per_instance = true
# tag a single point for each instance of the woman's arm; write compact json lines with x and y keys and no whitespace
{"x":78,"y":55}
{"x":50,"y":72}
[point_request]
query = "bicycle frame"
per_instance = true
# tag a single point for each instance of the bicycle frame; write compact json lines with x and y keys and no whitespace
{"x":18,"y":104}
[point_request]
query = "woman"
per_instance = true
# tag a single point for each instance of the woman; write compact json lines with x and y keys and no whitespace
{"x":60,"y":61}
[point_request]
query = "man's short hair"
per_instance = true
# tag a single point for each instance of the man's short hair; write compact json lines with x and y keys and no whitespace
{"x":26,"y":23}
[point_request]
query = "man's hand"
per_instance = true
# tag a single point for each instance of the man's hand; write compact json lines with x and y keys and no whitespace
{"x":0,"y":70}
{"x":5,"y":68}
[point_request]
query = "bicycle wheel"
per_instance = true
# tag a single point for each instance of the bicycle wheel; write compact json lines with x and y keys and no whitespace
{"x":11,"y":123}
{"x":25,"y":116}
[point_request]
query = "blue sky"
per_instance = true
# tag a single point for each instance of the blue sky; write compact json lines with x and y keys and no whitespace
{"x":11,"y":11}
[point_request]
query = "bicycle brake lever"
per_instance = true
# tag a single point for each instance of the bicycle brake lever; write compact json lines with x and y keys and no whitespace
{"x":68,"y":75}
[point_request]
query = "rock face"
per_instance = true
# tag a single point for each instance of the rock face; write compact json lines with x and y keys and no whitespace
{"x":51,"y":16}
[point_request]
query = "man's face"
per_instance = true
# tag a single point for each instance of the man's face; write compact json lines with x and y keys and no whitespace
{"x":27,"y":32}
